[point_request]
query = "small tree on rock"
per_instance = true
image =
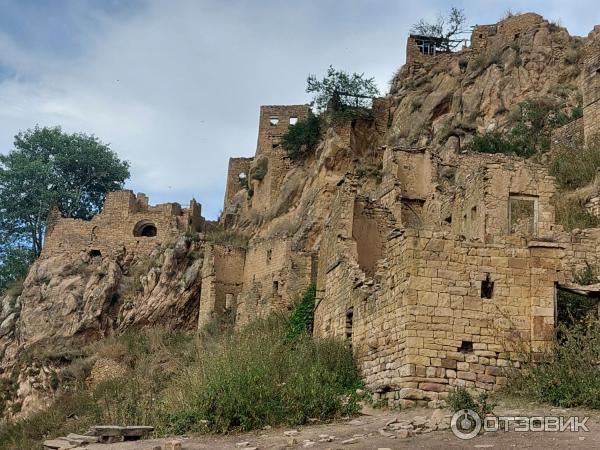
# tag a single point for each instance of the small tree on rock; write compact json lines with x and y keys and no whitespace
{"x":353,"y":90}
{"x":446,"y":28}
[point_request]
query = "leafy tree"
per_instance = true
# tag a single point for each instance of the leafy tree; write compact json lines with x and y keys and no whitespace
{"x":48,"y":167}
{"x":14,"y":262}
{"x":533,"y":121}
{"x":345,"y":89}
{"x":302,"y":138}
{"x":446,"y":28}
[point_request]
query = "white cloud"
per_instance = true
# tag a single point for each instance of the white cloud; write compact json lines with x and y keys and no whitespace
{"x":175,"y":86}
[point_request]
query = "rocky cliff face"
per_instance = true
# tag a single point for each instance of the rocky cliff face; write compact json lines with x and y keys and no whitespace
{"x":444,"y":100}
{"x":68,"y":301}
{"x":439,"y":103}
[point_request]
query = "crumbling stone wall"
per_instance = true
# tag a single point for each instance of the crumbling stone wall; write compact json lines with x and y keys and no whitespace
{"x":222,"y":272}
{"x":275,"y":274}
{"x":238,"y":170}
{"x":480,"y":35}
{"x":273,"y":124}
{"x":569,"y":136}
{"x":126,"y":222}
{"x":438,"y":311}
{"x":485,"y":186}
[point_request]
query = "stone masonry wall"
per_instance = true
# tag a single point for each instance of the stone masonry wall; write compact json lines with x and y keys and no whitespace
{"x":222,"y":272}
{"x":274,"y":275}
{"x":273,"y":123}
{"x":440,"y":311}
{"x":569,"y":136}
{"x":487,"y":183}
{"x":114,"y":229}
{"x":237,"y":166}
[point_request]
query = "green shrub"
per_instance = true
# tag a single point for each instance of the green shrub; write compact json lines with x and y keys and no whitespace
{"x":574,"y":169}
{"x":569,"y":376}
{"x":255,"y":378}
{"x":531,"y":122}
{"x":302,"y":138}
{"x":462,"y":399}
{"x":179,"y":384}
{"x":301,"y":319}
{"x":493,"y":142}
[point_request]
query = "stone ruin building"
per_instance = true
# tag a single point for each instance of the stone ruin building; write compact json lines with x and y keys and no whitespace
{"x":437,"y":278}
{"x":126,"y":223}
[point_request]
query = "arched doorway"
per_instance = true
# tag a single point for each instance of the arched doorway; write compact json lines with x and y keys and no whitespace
{"x":145,"y":228}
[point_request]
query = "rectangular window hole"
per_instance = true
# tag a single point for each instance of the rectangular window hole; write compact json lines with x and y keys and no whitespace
{"x":487,"y":287}
{"x":293,"y":120}
{"x":466,"y":347}
{"x":274,"y":121}
{"x":349,"y":323}
{"x":522,"y":214}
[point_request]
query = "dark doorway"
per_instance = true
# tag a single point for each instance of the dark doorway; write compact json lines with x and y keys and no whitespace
{"x":144,"y":228}
{"x":574,"y":308}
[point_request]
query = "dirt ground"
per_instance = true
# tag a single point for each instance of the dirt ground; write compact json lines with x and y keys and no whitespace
{"x":364,"y":432}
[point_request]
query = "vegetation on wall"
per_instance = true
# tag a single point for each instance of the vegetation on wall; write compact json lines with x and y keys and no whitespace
{"x":531,"y":124}
{"x":568,"y":377}
{"x":576,"y":168}
{"x":302,"y":138}
{"x":494,"y":142}
{"x":571,"y":213}
{"x":339,"y":88}
{"x":302,"y":317}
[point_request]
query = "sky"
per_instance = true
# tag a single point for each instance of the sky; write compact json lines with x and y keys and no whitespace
{"x":175,"y":86}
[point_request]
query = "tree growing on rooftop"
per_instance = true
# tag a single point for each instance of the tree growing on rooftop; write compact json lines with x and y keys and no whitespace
{"x":446,"y":28}
{"x":343,"y":88}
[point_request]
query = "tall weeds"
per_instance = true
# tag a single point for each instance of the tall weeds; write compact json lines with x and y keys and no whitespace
{"x":206,"y":383}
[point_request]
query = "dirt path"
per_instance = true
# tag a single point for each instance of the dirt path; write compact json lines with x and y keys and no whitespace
{"x":365,"y":432}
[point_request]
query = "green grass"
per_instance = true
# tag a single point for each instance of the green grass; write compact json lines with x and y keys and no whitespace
{"x":575,"y":169}
{"x":571,"y":212}
{"x":213,"y":382}
{"x":569,"y":376}
{"x":301,"y":319}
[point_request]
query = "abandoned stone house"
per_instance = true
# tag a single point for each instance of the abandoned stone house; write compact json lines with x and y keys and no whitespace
{"x":438,"y":278}
{"x":126,"y":223}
